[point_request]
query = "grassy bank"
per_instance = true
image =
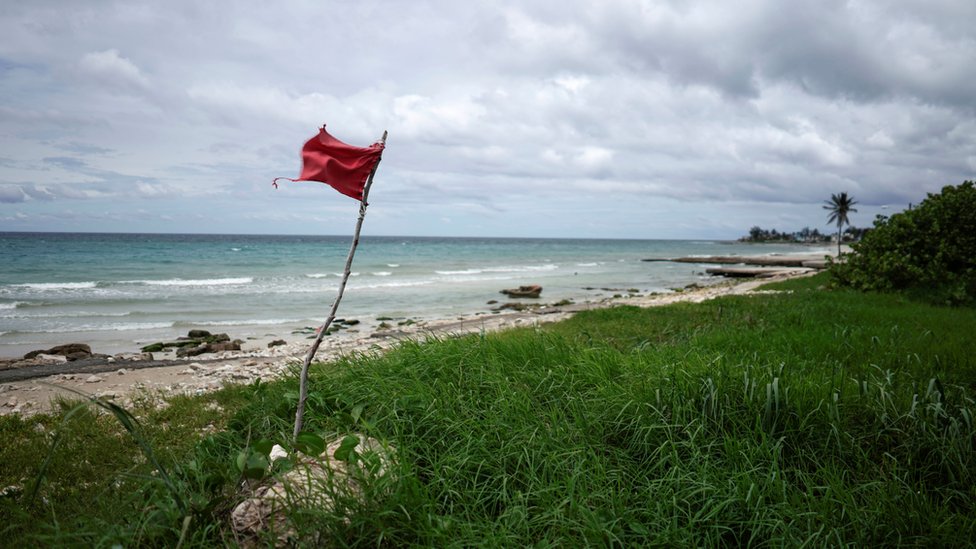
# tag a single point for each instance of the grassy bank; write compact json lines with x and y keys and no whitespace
{"x":810,"y":417}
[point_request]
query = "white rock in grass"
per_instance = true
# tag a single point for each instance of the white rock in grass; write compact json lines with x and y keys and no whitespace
{"x":313,"y":482}
{"x":277,"y":452}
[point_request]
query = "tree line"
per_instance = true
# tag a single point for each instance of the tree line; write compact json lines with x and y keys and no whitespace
{"x":805,"y":235}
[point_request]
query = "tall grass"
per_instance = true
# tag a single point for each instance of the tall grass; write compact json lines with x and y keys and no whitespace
{"x":808,"y":418}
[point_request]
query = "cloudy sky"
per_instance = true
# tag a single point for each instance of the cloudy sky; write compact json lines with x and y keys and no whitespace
{"x":564,"y":118}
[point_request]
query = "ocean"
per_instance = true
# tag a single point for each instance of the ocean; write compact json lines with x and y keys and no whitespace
{"x":118,"y":292}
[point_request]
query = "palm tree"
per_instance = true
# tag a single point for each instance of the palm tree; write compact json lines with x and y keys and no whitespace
{"x":839,"y":205}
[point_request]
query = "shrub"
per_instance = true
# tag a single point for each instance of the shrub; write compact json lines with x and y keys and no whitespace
{"x":928,"y":251}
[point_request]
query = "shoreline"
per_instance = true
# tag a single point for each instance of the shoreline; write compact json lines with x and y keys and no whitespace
{"x":122,"y":381}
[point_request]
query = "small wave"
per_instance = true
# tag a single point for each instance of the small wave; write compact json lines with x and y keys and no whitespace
{"x":393,"y":265}
{"x":57,"y":285}
{"x":464,"y":272}
{"x":504,"y":269}
{"x":326,"y":275}
{"x":235,"y":249}
{"x":13,"y":305}
{"x":382,"y":273}
{"x":587,"y":264}
{"x":115,"y":327}
{"x":198,"y":282}
{"x":397,"y":284}
{"x":71,"y":314}
{"x":255,"y":322}
{"x":136,"y":326}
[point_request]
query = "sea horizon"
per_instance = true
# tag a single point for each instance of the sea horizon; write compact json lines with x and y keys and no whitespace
{"x":349,"y":236}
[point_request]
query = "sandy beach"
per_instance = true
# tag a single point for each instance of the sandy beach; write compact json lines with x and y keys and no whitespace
{"x":123,"y":380}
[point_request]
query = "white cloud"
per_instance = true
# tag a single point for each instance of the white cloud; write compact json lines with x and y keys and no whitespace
{"x":112,"y":68}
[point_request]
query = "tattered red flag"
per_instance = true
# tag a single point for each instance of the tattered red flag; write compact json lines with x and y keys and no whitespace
{"x":342,"y":166}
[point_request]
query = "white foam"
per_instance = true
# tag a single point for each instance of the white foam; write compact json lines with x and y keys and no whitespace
{"x":199,"y":282}
{"x":393,"y":265}
{"x":503,"y":269}
{"x":117,"y":327}
{"x":397,"y":284}
{"x":255,"y":322}
{"x":382,"y":273}
{"x":464,"y":272}
{"x":57,"y":285}
{"x":72,"y":314}
{"x":326,"y":275}
{"x":9,"y":306}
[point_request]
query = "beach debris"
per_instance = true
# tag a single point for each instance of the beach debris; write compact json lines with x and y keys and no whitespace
{"x":50,"y":359}
{"x":11,"y":491}
{"x":71,"y":351}
{"x":277,"y":343}
{"x":342,"y":473}
{"x":130,"y":357}
{"x":531,"y":290}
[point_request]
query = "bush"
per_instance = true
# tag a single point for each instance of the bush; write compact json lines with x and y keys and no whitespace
{"x":928,"y":251}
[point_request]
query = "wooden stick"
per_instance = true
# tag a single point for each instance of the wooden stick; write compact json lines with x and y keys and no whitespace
{"x":303,"y":379}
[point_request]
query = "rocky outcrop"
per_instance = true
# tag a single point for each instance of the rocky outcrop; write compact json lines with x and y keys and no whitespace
{"x":205,"y":348}
{"x":196,"y":342}
{"x":71,"y":351}
{"x":342,"y":471}
{"x":755,"y":272}
{"x":532,"y":290}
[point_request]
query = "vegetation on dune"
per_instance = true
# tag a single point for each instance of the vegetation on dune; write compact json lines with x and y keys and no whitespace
{"x":806,"y":417}
{"x":927,"y":251}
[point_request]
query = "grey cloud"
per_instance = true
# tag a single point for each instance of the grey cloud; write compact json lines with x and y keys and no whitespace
{"x":12,"y":194}
{"x":557,"y":105}
{"x":86,"y":149}
{"x":67,"y":163}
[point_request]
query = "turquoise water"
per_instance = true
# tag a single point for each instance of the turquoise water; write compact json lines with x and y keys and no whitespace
{"x":119,"y":291}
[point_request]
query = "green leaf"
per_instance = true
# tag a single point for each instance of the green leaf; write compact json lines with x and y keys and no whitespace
{"x":252,"y":464}
{"x":310,"y":444}
{"x":256,"y":466}
{"x":263,"y":447}
{"x":357,"y":412}
{"x":347,"y":448}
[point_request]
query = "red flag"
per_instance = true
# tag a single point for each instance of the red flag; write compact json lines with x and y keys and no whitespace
{"x":342,"y":166}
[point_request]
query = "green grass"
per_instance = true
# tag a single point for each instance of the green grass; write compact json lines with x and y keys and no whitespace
{"x":807,"y":417}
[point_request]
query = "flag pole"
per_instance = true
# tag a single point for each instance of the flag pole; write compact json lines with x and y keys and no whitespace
{"x":303,"y":379}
